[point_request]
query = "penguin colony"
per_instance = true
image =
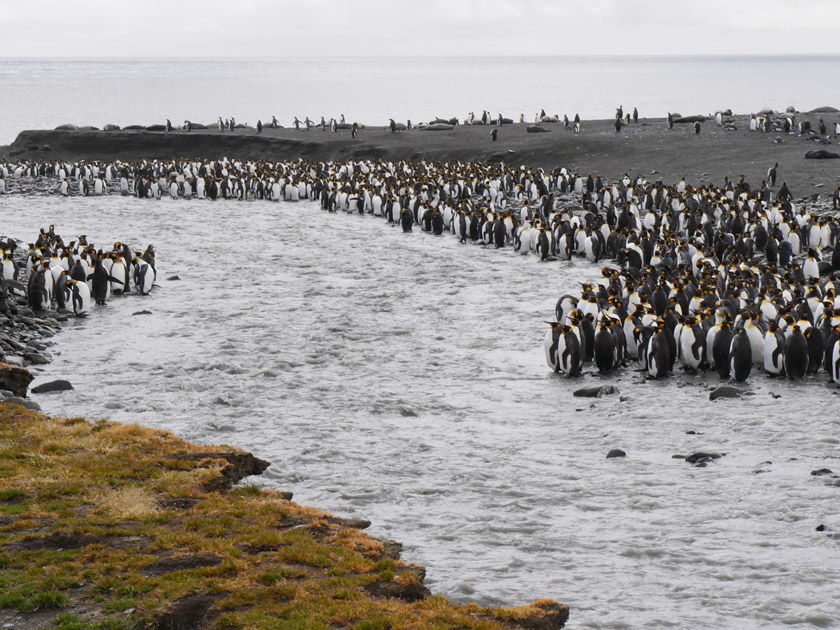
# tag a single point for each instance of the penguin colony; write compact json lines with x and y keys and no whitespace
{"x":707,"y":279}
{"x":69,"y":277}
{"x":710,"y":277}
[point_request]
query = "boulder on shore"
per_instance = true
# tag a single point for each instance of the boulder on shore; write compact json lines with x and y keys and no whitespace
{"x":14,"y":378}
{"x":59,"y":385}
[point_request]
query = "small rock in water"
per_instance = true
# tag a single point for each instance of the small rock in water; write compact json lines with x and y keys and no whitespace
{"x":677,"y":456}
{"x":821,"y":527}
{"x":173,"y":278}
{"x":725,"y":391}
{"x":700,"y":455}
{"x":36,"y":357}
{"x":821,"y":472}
{"x":616,"y":452}
{"x":596,"y":391}
{"x":142,"y":313}
{"x":59,"y":385}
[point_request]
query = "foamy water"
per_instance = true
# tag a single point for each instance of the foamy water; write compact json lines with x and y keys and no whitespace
{"x":401,"y":378}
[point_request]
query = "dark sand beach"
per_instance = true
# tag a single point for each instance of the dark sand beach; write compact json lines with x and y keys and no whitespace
{"x":648,"y":148}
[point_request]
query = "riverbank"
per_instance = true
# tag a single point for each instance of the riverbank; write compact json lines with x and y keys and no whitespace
{"x":647,"y":147}
{"x":107,"y":525}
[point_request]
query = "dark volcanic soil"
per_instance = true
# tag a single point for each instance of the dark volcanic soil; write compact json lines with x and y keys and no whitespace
{"x":647,"y":147}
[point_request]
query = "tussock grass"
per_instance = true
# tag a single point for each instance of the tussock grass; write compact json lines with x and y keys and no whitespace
{"x":114,"y":523}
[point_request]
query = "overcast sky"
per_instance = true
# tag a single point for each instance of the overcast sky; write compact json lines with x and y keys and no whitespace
{"x":247,"y":28}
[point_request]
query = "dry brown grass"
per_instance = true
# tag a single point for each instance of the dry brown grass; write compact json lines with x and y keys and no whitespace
{"x":90,"y":515}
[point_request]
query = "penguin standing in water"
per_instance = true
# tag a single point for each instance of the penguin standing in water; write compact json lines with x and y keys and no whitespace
{"x":101,"y":282}
{"x":816,"y":348}
{"x":604,"y":348}
{"x":796,"y":354}
{"x":437,"y":222}
{"x":78,"y":297}
{"x":569,"y":352}
{"x":406,"y":220}
{"x":552,"y":339}
{"x":38,"y":297}
{"x":740,"y":357}
{"x":562,"y":349}
{"x":499,"y":233}
{"x":774,"y":349}
{"x":658,"y":354}
{"x":144,"y":276}
{"x":834,"y":370}
{"x":720,"y":349}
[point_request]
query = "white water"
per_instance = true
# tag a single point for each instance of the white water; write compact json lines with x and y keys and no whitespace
{"x":401,"y":378}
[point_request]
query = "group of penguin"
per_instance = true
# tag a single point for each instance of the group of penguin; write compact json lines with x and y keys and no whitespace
{"x":70,"y":277}
{"x":706,"y":279}
{"x":724,"y":278}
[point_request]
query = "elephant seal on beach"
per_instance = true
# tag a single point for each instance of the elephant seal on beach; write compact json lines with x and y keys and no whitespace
{"x":688,"y":119}
{"x":821,"y":154}
{"x":537,"y":129}
{"x":437,"y":126}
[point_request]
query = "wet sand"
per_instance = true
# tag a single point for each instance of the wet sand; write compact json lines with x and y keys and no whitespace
{"x":648,"y":148}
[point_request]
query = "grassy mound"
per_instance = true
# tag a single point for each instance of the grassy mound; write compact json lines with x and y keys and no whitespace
{"x":112,"y":526}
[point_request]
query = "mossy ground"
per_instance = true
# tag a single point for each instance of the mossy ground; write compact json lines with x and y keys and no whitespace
{"x":112,"y":526}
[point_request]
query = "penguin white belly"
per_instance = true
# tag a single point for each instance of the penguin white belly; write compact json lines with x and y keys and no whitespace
{"x":117,"y":272}
{"x":551,"y":356}
{"x":756,"y":344}
{"x":774,"y":357}
{"x":835,"y":363}
{"x":144,"y":277}
{"x":79,"y":297}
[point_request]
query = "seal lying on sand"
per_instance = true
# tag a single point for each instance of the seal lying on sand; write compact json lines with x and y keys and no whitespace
{"x":537,"y":129}
{"x":821,"y":154}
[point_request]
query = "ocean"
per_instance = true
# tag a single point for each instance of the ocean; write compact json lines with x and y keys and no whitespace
{"x":44,"y":93}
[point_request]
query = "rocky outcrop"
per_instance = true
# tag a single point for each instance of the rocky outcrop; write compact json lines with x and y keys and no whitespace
{"x":238,"y":465}
{"x":15,"y":379}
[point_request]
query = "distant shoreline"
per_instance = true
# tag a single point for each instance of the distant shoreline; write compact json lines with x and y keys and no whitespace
{"x":648,"y":148}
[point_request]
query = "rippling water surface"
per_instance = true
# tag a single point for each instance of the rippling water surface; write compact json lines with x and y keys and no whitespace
{"x":401,"y":378}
